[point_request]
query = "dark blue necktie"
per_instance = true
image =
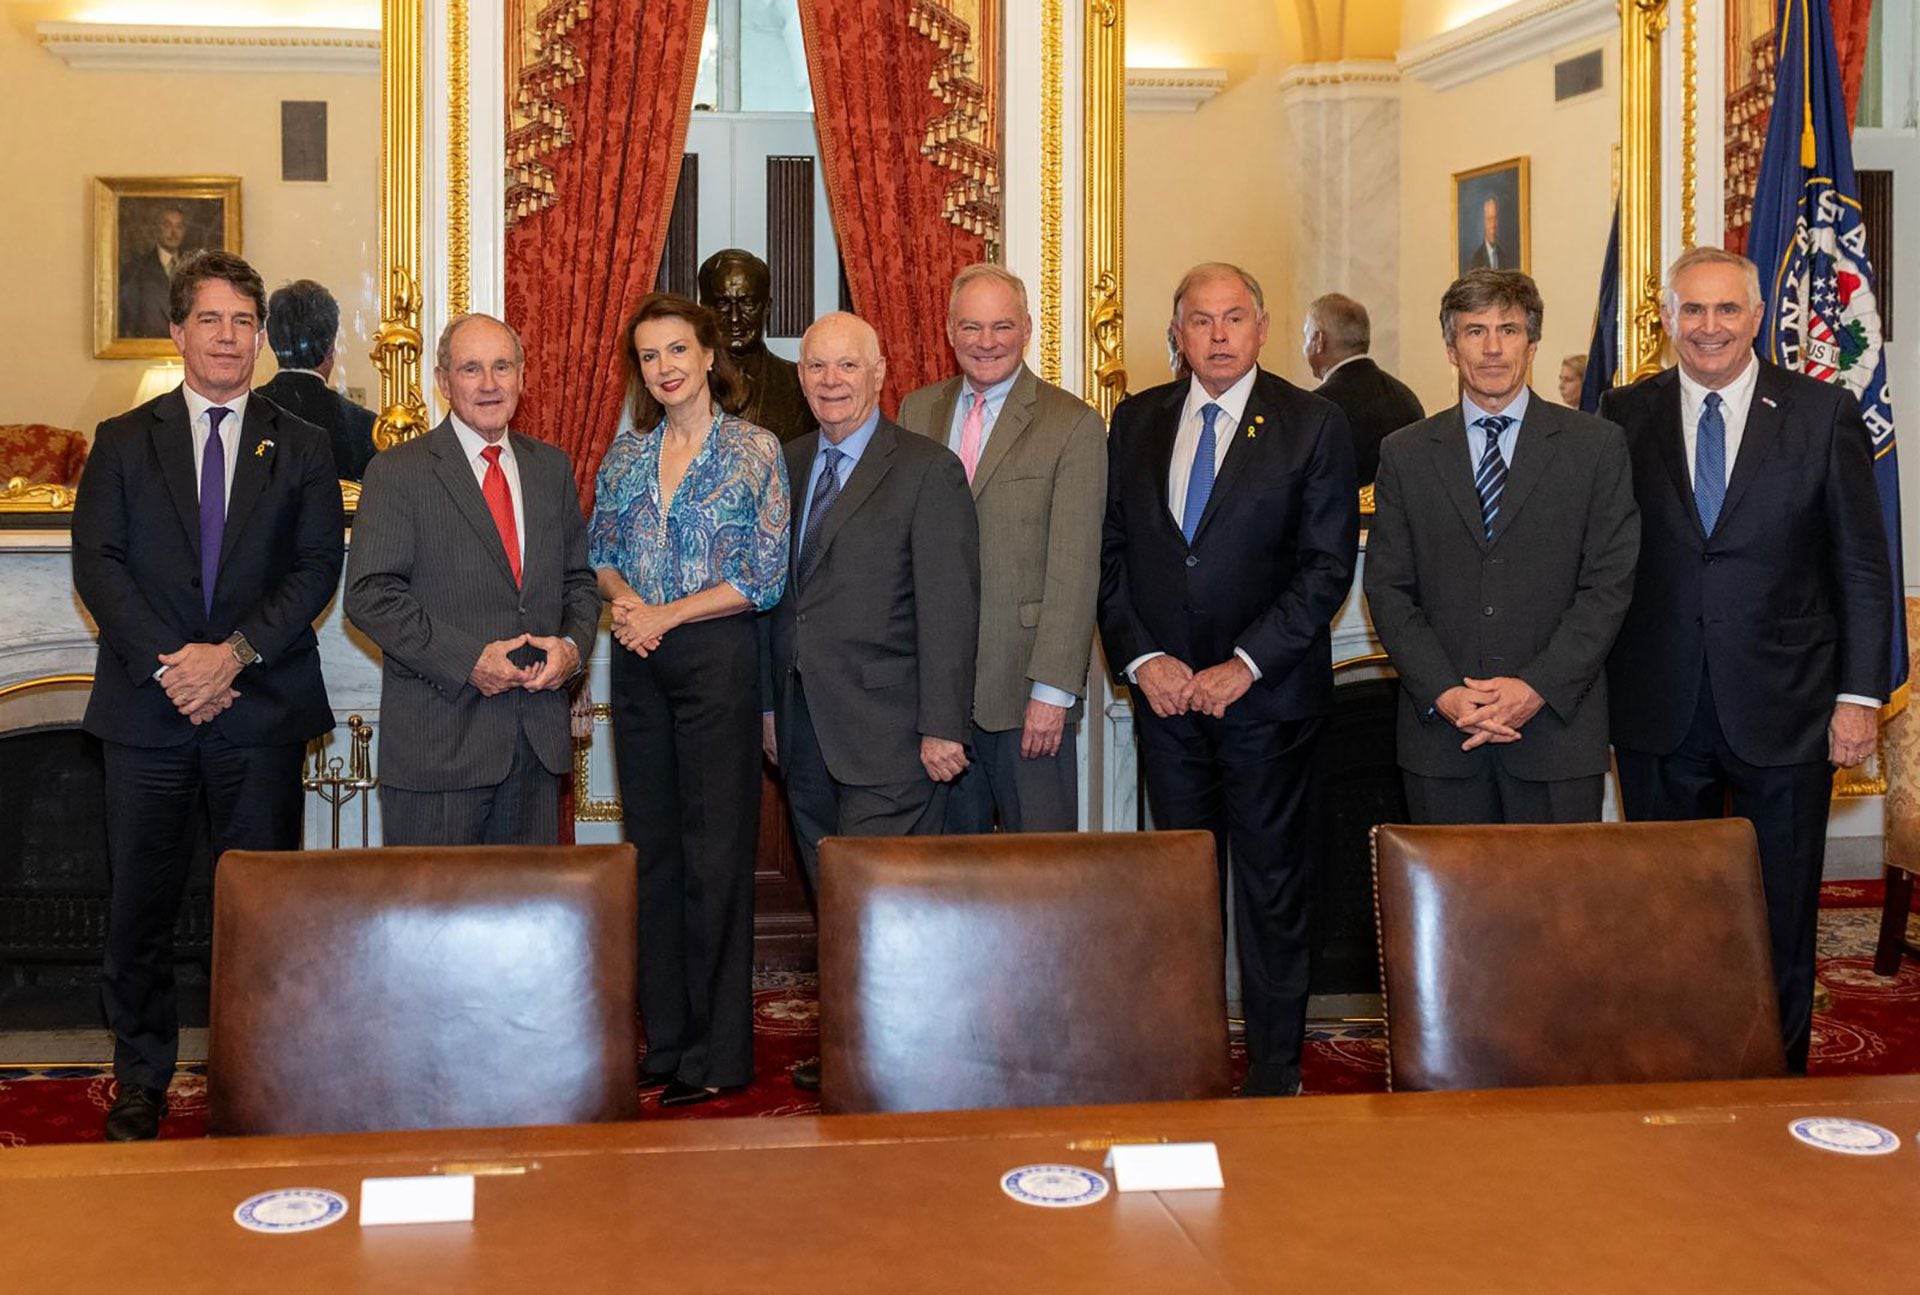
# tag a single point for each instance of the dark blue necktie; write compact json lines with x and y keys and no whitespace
{"x":1491,"y":476}
{"x":213,"y":504}
{"x":1710,"y":463}
{"x":825,"y":491}
{"x":1200,"y":479}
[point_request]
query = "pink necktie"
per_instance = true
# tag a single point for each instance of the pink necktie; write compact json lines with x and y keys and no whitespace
{"x":970,"y":434}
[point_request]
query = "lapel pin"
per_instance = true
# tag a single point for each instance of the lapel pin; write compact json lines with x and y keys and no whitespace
{"x":260,"y":450}
{"x":1768,"y":401}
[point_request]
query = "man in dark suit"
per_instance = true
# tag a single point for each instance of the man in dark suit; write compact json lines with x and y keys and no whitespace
{"x":303,"y":324}
{"x":1499,"y":565}
{"x":1334,"y":342}
{"x":1229,"y":543}
{"x":206,"y":540}
{"x":737,"y":286}
{"x":1496,"y":251}
{"x":1037,"y":460}
{"x":872,"y":645}
{"x":144,"y":277}
{"x":469,"y":572}
{"x":1754,"y":657}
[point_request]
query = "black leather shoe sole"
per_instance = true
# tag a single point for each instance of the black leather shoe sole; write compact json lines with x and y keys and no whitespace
{"x":136,"y":1114}
{"x":679,"y":1094}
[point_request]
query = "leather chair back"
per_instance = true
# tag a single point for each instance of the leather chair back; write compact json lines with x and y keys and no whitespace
{"x":1035,"y":969}
{"x":417,"y":988}
{"x":1597,"y":953}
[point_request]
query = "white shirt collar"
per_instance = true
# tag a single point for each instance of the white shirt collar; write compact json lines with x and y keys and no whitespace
{"x":471,"y":442}
{"x":1232,"y":401}
{"x":198,"y":405}
{"x":1341,"y":365}
{"x":1736,"y":397}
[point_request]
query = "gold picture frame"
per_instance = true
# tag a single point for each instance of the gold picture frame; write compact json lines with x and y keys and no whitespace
{"x":134,"y":217}
{"x":1503,"y":186}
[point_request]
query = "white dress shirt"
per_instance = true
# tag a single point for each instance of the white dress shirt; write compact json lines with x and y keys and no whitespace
{"x":201,"y":425}
{"x":471,"y":443}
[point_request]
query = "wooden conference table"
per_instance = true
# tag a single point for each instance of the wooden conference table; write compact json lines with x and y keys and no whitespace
{"x":1684,"y":1187}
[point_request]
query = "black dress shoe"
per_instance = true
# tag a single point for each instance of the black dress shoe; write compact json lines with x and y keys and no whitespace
{"x":136,"y":1114}
{"x":679,"y":1094}
{"x":650,"y":1081}
{"x":806,"y":1075}
{"x":1271,"y":1081}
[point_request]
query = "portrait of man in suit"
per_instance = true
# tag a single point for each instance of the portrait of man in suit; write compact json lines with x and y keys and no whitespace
{"x":1754,"y":658}
{"x":1500,"y":562}
{"x":1334,"y":341}
{"x":469,"y":572}
{"x":303,"y":327}
{"x":1229,"y":541}
{"x":1490,"y":216}
{"x":206,"y":540}
{"x":1036,"y":460}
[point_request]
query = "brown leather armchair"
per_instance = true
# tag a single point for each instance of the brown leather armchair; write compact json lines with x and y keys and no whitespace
{"x":1036,"y":969}
{"x":1596,"y":953}
{"x":414,"y":988}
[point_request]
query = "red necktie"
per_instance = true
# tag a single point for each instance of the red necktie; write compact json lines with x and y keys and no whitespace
{"x":500,"y":504}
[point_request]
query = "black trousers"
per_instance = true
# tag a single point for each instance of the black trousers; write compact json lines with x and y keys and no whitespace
{"x":1253,"y":785}
{"x":1022,"y":795}
{"x":521,"y":809}
{"x":254,"y":802}
{"x":686,"y":734}
{"x":1787,"y":805}
{"x":1495,"y":796}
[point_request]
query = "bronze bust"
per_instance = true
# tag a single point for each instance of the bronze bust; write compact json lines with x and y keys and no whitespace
{"x":737,"y":286}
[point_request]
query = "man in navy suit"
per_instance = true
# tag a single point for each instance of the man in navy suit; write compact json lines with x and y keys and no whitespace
{"x":1231,"y":529}
{"x":1753,"y":659}
{"x":206,"y":540}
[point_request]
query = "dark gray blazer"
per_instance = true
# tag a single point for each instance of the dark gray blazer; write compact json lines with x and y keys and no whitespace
{"x":428,"y":582}
{"x":1541,"y":601}
{"x":884,"y":629}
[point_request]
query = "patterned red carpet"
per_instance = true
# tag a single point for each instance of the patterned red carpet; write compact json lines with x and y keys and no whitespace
{"x":1873,"y":1028}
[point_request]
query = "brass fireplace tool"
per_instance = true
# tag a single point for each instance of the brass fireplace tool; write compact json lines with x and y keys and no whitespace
{"x":338,"y":781}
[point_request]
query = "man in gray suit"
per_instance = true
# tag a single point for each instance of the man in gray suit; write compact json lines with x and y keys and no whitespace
{"x":1037,"y":460}
{"x":1499,"y":567}
{"x":468,"y":568}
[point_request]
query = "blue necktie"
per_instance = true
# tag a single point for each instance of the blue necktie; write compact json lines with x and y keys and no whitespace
{"x":213,"y":504}
{"x":1490,"y":478}
{"x":1710,"y":463}
{"x":1200,"y":479}
{"x":825,"y":491}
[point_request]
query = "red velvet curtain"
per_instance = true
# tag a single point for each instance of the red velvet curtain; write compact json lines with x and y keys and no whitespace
{"x":1850,"y":19}
{"x":576,"y":268}
{"x":872,"y":102}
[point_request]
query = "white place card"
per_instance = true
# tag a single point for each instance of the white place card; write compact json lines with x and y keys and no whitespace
{"x":1165,"y":1167}
{"x":432,"y":1198}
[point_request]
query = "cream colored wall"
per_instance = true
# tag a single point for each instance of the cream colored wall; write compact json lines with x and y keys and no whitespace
{"x":65,"y":127}
{"x":1508,"y":114}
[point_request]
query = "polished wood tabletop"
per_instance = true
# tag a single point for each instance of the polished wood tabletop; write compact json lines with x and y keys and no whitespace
{"x":1677,"y":1187}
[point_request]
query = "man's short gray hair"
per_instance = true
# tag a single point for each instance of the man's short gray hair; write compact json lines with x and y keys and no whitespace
{"x":1479,"y":290}
{"x":443,"y":354}
{"x":1344,"y":322}
{"x":1217,"y":270}
{"x":985,"y":272}
{"x":1697,"y":256}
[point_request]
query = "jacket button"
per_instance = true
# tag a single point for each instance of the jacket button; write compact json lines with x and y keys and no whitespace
{"x":1486,"y":611}
{"x":1192,"y":561}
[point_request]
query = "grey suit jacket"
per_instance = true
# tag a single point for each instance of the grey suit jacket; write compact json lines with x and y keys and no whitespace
{"x":1541,"y":601}
{"x":881,"y":633}
{"x":1040,"y":491}
{"x":428,"y":582}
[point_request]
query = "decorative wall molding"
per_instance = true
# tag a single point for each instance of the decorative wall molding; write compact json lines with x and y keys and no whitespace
{"x":125,"y":47}
{"x":1172,"y":89}
{"x":1346,"y":79}
{"x":1524,"y":30}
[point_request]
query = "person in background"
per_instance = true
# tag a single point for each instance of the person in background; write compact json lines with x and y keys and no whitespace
{"x":1334,"y":343}
{"x":1573,"y":376}
{"x":303,"y":327}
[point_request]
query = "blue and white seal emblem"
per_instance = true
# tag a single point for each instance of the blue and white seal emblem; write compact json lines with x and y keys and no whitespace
{"x":292,"y":1209}
{"x":1054,"y":1186}
{"x":1848,"y":1137}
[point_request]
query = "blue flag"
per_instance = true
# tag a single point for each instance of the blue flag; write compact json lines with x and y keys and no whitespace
{"x":1603,"y":356}
{"x":1822,"y":315}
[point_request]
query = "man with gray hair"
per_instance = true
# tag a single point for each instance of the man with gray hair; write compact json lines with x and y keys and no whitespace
{"x":1229,"y":543}
{"x":1036,"y":458}
{"x":1334,"y":341}
{"x":1499,"y":565}
{"x":469,"y":571}
{"x":1754,"y":659}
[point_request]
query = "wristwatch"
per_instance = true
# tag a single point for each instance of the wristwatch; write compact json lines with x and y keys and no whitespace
{"x":242,"y":650}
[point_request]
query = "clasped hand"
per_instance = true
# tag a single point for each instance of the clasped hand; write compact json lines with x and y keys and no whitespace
{"x":198,"y":679}
{"x":639,"y":626}
{"x":495,"y":672}
{"x":1172,"y":687}
{"x":1489,"y":710}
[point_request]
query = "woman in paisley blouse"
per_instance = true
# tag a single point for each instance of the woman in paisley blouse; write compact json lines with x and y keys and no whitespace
{"x":689,"y":537}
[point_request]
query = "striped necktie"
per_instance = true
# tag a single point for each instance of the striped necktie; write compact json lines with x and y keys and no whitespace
{"x":1490,"y":479}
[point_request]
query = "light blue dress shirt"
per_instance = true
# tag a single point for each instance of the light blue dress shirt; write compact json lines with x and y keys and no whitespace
{"x":994,"y":396}
{"x":1477,"y":438}
{"x":853,"y":447}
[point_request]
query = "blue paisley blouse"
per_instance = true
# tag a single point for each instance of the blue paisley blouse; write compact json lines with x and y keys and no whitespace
{"x":726,"y":521}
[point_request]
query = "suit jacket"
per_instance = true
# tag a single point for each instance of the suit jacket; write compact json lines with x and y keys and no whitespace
{"x":349,"y":427}
{"x":145,"y":294}
{"x":1541,"y":601}
{"x":1787,"y":604}
{"x":882,"y":631}
{"x":1509,"y":256}
{"x":774,"y":398}
{"x":1272,"y":559}
{"x":136,"y":566}
{"x":1039,"y":490}
{"x":1376,"y":404}
{"x":428,"y":582}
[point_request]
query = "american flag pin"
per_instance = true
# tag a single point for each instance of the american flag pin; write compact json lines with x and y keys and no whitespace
{"x":1768,"y":401}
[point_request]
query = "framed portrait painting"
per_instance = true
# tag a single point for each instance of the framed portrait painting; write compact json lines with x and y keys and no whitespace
{"x":142,"y":226}
{"x":1491,"y":225}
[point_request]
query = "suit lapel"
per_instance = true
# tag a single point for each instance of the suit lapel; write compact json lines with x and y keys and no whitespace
{"x":1256,"y":420}
{"x":1670,"y":436}
{"x":456,"y":475}
{"x":250,"y":474}
{"x":1533,"y":450}
{"x":1016,"y":413}
{"x":1765,"y":419}
{"x":173,"y":447}
{"x":874,"y":464}
{"x":943,"y":407}
{"x":1160,"y":434}
{"x":533,"y":505}
{"x":1455,"y":470}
